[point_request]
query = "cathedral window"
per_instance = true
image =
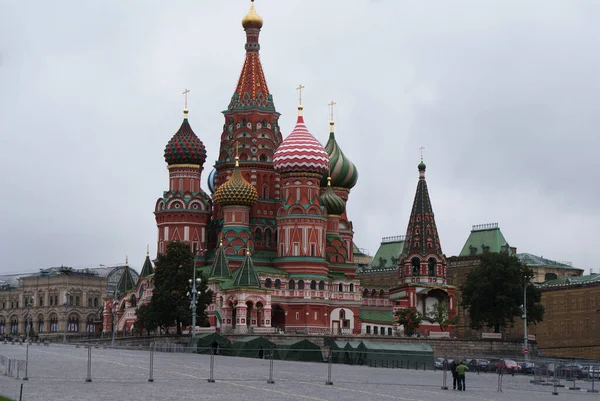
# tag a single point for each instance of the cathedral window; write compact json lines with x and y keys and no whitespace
{"x":268,"y":283}
{"x":374,"y":293}
{"x":321,"y":285}
{"x":292,"y":285}
{"x":381,"y":294}
{"x":301,"y":284}
{"x":429,"y":245}
{"x":267,"y":238}
{"x":351,"y":287}
{"x":368,"y":329}
{"x":366,"y":293}
{"x":313,"y":249}
{"x":416,"y":266}
{"x":389,"y":331}
{"x":181,"y":184}
{"x":277,"y":284}
{"x":431,"y":266}
{"x":265,"y":191}
{"x":375,"y":330}
{"x":77,"y":301}
{"x":313,"y":285}
{"x":341,"y":287}
{"x":297,"y":194}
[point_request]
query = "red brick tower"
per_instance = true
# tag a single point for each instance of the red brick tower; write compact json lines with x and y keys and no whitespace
{"x":251,"y":124}
{"x":183,"y":212}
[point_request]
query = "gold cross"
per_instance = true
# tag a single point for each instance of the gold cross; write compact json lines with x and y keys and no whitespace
{"x":421,"y":149}
{"x":331,"y":109}
{"x":185,"y":92}
{"x":299,"y":88}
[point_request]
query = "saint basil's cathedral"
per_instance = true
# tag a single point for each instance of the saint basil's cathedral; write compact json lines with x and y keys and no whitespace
{"x":273,"y":239}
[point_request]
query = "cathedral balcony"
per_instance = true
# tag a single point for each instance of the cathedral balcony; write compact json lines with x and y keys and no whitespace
{"x":317,"y":294}
{"x":376,"y":302}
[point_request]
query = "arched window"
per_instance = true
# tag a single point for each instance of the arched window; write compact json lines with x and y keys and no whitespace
{"x":77,"y":301}
{"x":313,"y":285}
{"x":321,"y":285}
{"x":277,"y":284}
{"x":133,"y":300}
{"x":95,"y":302}
{"x":343,"y":314}
{"x":268,"y":283}
{"x":54,"y":324}
{"x":267,"y":238}
{"x":351,"y":287}
{"x":431,"y":266}
{"x":374,"y":293}
{"x":365,"y":293}
{"x":381,"y":294}
{"x":40,"y":324}
{"x":292,"y":285}
{"x":341,"y":287}
{"x":2,"y":326}
{"x":300,"y":284}
{"x":73,"y":325}
{"x":416,"y":266}
{"x":258,"y":235}
{"x":14,"y":326}
{"x":90,"y":327}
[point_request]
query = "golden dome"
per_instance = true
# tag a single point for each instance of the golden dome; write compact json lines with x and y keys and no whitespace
{"x":252,"y":19}
{"x":236,"y":190}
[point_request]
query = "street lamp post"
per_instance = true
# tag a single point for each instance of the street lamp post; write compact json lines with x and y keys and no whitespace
{"x":114,"y":319}
{"x":65,"y":304}
{"x":28,"y":324}
{"x":194,"y":284}
{"x":524,"y":308}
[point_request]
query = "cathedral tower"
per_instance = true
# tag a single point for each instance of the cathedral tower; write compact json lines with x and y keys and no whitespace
{"x":183,"y":212}
{"x":252,"y":125}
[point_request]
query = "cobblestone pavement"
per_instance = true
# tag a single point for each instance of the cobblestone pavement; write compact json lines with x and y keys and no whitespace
{"x":58,"y":372}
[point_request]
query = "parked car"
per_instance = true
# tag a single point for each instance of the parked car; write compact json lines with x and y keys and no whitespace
{"x":570,"y":371}
{"x":507,"y":366}
{"x":591,"y":372}
{"x":527,"y":368}
{"x":439,"y":364}
{"x":478,"y":365}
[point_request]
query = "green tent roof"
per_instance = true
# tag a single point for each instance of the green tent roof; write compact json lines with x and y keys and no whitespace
{"x":246,"y":276}
{"x":388,"y":253}
{"x":126,"y":282}
{"x":488,"y":235}
{"x":538,"y":261}
{"x":220,"y":267}
{"x":589,"y":279}
{"x":376,"y":316}
{"x":147,"y":269}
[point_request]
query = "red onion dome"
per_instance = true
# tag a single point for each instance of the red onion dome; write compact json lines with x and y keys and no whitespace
{"x":301,"y":152}
{"x":185,"y":147}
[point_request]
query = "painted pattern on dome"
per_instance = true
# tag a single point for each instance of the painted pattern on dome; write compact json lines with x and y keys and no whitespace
{"x":301,"y":152}
{"x":185,"y":147}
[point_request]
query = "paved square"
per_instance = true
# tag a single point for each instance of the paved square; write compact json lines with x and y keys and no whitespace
{"x":58,"y":372}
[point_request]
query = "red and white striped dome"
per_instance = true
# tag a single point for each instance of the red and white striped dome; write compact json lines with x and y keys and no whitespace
{"x":301,"y":152}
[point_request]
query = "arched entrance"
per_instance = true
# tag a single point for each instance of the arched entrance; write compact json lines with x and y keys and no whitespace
{"x":277,"y":317}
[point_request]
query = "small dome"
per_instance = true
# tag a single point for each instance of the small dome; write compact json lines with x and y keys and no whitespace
{"x":252,"y":19}
{"x":185,"y":147}
{"x":421,"y":166}
{"x":236,"y":191}
{"x":343,"y":172}
{"x":301,"y":152}
{"x":212,"y":181}
{"x":333,"y":203}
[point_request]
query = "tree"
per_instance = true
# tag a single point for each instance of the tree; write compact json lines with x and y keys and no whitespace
{"x":440,"y":314}
{"x":145,"y":319}
{"x":170,"y":304}
{"x":410,"y":319}
{"x":493,"y":292}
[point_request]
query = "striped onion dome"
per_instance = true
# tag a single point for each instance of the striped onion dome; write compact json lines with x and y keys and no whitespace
{"x":343,"y":172}
{"x":185,"y":147}
{"x":301,"y":152}
{"x":333,"y":203}
{"x":212,"y":181}
{"x":236,"y":190}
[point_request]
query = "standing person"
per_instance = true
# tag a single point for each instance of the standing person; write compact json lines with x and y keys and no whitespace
{"x":454,"y":374}
{"x":461,"y":370}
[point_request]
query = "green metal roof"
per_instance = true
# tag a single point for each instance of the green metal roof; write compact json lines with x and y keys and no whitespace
{"x":269,"y":270}
{"x":147,"y":269}
{"x":376,"y":316}
{"x":126,"y":282}
{"x":246,"y":276}
{"x":589,"y":279}
{"x":488,"y":235}
{"x":538,"y":261}
{"x":388,"y":253}
{"x":309,"y":276}
{"x":220,"y":267}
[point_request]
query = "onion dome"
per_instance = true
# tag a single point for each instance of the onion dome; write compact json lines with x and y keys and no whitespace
{"x":421,"y":166}
{"x":236,"y":191}
{"x":301,"y":152}
{"x":343,"y":172}
{"x":185,"y":147}
{"x":333,"y":203}
{"x":252,"y":19}
{"x":212,"y":181}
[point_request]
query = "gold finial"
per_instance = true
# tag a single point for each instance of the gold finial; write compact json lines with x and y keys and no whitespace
{"x":329,"y":180}
{"x":299,"y":89}
{"x":221,"y":239}
{"x":247,"y":251}
{"x":421,"y":149}
{"x":252,"y":19}
{"x":237,"y":155}
{"x":126,"y":260}
{"x":185,"y":109}
{"x":147,"y":250}
{"x":331,"y":123}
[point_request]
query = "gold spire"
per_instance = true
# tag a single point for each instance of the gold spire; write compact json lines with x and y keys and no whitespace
{"x":299,"y":89}
{"x":252,"y":19}
{"x":221,"y":239}
{"x":237,"y":155}
{"x":331,"y":123}
{"x":185,"y":109}
{"x":328,"y":181}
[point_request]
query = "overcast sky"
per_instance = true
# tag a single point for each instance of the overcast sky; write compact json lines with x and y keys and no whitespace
{"x":502,"y":94}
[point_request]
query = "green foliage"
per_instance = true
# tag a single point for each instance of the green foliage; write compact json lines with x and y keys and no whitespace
{"x":170,"y":306}
{"x":493,"y":292}
{"x":145,"y":319}
{"x":440,"y":314}
{"x":410,"y":319}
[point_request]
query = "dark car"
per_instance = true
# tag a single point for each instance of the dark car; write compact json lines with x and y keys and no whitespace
{"x":570,"y":371}
{"x":478,"y":365}
{"x":528,"y":368}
